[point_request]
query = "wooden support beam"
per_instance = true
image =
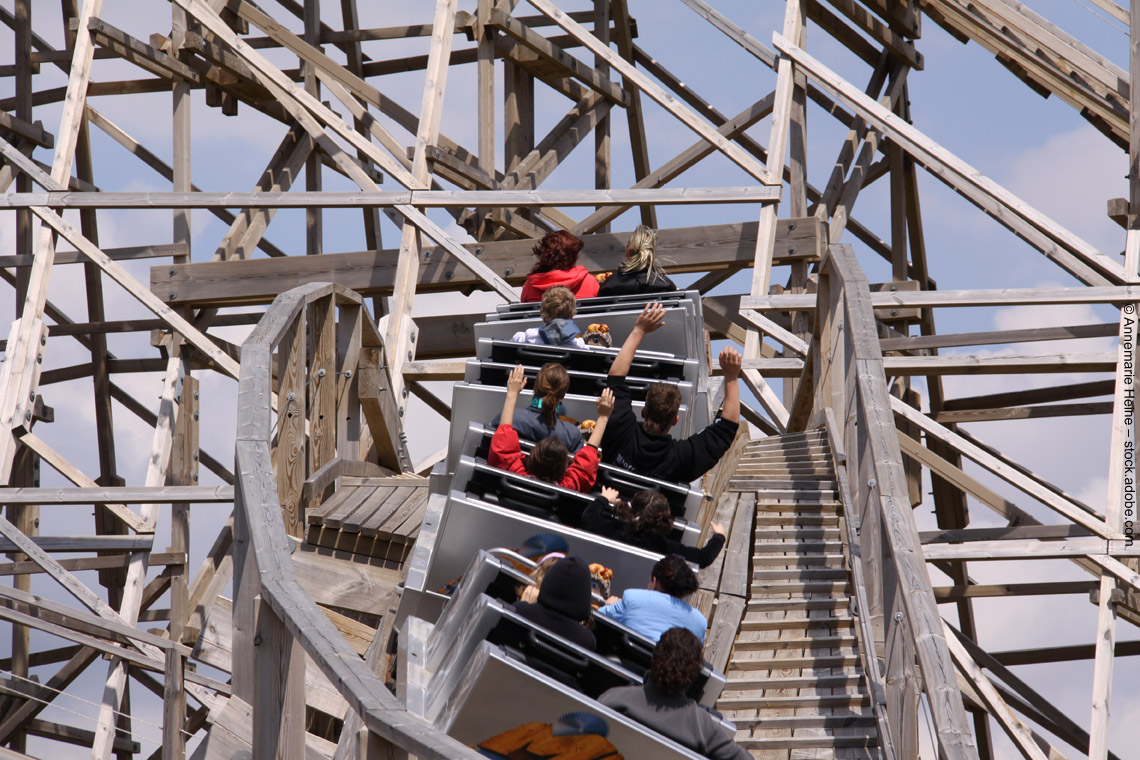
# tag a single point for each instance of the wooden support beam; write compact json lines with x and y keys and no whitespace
{"x":516,"y":30}
{"x":1075,"y":255}
{"x":687,"y":249}
{"x":664,"y":99}
{"x":529,"y":177}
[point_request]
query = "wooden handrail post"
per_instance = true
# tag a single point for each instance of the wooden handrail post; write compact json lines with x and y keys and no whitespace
{"x":348,"y":332}
{"x":322,"y":387}
{"x":289,"y":451}
{"x":279,"y":691}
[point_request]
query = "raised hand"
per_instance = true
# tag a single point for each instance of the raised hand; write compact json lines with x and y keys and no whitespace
{"x":652,"y":317}
{"x":610,"y":494}
{"x":730,"y":363}
{"x":605,"y":403}
{"x":517,"y":380}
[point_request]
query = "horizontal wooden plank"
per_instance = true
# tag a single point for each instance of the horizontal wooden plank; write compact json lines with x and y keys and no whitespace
{"x":388,"y":198}
{"x":899,"y":299}
{"x":119,"y":495}
{"x":372,"y":273}
{"x":908,"y":366}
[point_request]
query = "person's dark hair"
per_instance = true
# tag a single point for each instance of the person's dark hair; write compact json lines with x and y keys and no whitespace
{"x":676,"y":662}
{"x":558,"y":250}
{"x":548,"y":460}
{"x":662,"y":402}
{"x":551,"y":385}
{"x":674,"y":577}
{"x":647,"y":514}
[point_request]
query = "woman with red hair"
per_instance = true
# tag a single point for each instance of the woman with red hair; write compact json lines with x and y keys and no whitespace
{"x":557,"y":264}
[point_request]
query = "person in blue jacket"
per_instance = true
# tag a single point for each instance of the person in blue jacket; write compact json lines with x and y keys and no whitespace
{"x":662,"y":606}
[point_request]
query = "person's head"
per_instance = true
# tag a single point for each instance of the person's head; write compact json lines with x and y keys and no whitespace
{"x":558,"y":303}
{"x":551,"y":385}
{"x":671,"y":575}
{"x":640,"y":252}
{"x":662,"y":402}
{"x":566,"y":588}
{"x":651,"y":514}
{"x":558,"y":250}
{"x":676,"y":662}
{"x":547,"y":460}
{"x":544,"y":566}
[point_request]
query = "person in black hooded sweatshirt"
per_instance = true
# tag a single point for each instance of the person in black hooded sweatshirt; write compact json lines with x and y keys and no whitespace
{"x":646,"y":521}
{"x":647,"y":448}
{"x":563,"y":602}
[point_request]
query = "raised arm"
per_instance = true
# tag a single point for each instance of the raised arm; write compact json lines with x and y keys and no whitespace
{"x":515,"y":383}
{"x":605,"y":405}
{"x":730,"y":363}
{"x":651,"y":318}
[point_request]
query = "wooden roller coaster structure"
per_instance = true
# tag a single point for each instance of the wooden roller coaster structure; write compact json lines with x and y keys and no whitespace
{"x":277,"y":645}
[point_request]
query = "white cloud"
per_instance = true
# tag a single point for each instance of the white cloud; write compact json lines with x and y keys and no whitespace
{"x":1070,"y":177}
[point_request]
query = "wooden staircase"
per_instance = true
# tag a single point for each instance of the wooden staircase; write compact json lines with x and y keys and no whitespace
{"x":795,"y":682}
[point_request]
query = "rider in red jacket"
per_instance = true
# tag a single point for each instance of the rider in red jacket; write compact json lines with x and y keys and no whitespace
{"x":548,"y":460}
{"x":558,"y":265}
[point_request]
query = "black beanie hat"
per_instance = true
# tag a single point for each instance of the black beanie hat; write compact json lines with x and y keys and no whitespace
{"x":566,"y":588}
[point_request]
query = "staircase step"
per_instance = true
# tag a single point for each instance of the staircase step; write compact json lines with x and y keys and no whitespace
{"x":798,"y":533}
{"x":757,"y":623}
{"x":818,"y":642}
{"x":840,"y":720}
{"x":779,"y":605}
{"x":802,"y":560}
{"x":765,"y":521}
{"x":801,"y":574}
{"x":810,"y":587}
{"x":764,"y":493}
{"x":813,"y":662}
{"x":768,"y":484}
{"x":753,"y":684}
{"x":762,"y":744}
{"x":805,"y":506}
{"x":799,"y":547}
{"x":851,"y":699}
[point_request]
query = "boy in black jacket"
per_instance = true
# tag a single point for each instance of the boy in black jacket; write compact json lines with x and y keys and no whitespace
{"x":647,"y":448}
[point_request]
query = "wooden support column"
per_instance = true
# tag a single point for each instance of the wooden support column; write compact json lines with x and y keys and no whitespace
{"x":634,"y":113}
{"x":1121,"y":504}
{"x":797,"y":197}
{"x":173,"y":707}
{"x":314,"y":228}
{"x":289,"y":451}
{"x":355,"y":64}
{"x":25,"y":470}
{"x":183,"y":472}
{"x":322,"y":386}
{"x":348,"y":333}
{"x":116,"y":683}
{"x":518,"y":115}
{"x":486,"y":106}
{"x":279,"y":691}
{"x":399,"y":343}
{"x":602,"y":130}
{"x":766,"y":234}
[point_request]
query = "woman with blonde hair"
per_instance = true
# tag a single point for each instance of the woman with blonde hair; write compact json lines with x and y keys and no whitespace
{"x":640,"y":272}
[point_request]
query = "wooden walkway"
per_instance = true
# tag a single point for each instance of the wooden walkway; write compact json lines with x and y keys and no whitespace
{"x":378,"y":518}
{"x":795,"y":684}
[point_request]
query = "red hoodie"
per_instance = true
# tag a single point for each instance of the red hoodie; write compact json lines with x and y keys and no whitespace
{"x":577,"y":278}
{"x":506,"y":455}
